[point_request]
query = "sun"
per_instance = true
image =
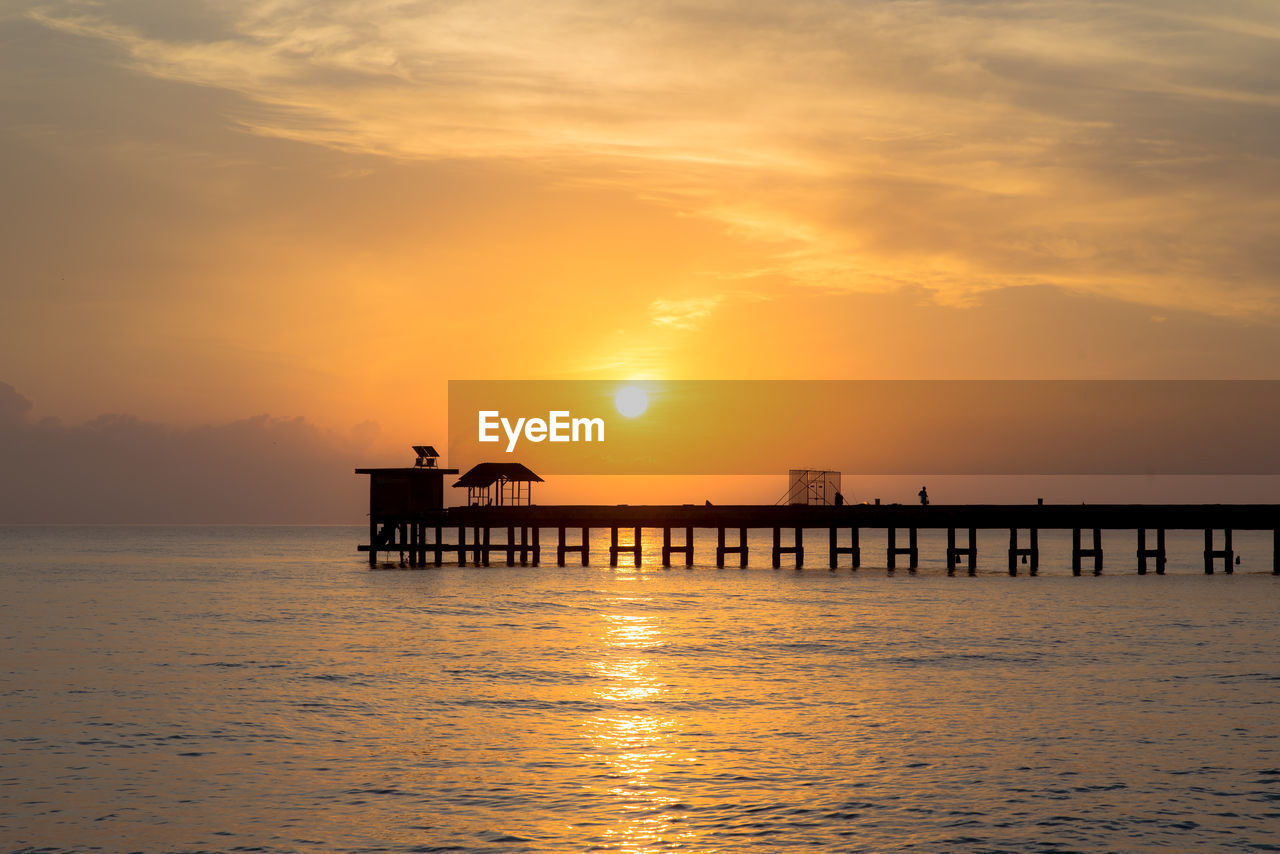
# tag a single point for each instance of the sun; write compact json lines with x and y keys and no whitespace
{"x":631,"y":401}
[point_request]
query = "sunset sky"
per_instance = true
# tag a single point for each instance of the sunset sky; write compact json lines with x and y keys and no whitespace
{"x":319,"y":211}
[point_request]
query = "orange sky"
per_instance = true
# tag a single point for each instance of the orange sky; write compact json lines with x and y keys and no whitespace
{"x":328,"y":208}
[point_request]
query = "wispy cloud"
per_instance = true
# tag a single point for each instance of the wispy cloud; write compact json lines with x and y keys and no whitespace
{"x":1129,"y":149}
{"x":684,"y":313}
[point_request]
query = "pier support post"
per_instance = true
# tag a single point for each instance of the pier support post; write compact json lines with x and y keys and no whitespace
{"x":667,"y":548}
{"x":911,"y":551}
{"x":1077,"y":552}
{"x":1158,"y":552}
{"x":511,"y":545}
{"x":614,"y":548}
{"x":835,"y":549}
{"x":563,"y":547}
{"x":462,"y":545}
{"x":1227,"y":555}
{"x":796,"y":549}
{"x":740,"y":549}
{"x":970,"y":552}
{"x":537,"y":546}
{"x":1275,"y":552}
{"x":487,"y":548}
{"x":1031,"y":552}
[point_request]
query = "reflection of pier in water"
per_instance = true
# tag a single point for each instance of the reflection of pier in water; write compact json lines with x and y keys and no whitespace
{"x":419,"y":537}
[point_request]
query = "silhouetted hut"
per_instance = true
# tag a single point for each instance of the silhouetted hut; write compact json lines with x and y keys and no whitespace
{"x":407,"y":491}
{"x":498,"y":484}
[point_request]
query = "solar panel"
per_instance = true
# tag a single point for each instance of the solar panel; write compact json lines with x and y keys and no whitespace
{"x":425,"y":451}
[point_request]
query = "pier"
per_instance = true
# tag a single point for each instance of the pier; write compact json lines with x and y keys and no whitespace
{"x":418,"y":537}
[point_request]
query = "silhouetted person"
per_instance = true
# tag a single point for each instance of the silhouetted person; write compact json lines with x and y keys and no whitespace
{"x":839,"y":499}
{"x":924,"y":497}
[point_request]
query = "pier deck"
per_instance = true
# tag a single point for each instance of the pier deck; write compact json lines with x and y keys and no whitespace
{"x":421,"y":535}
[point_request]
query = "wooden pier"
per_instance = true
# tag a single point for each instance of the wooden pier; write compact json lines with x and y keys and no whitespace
{"x":418,"y":537}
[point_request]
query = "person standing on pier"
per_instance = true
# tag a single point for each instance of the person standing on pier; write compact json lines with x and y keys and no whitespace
{"x":924,"y":497}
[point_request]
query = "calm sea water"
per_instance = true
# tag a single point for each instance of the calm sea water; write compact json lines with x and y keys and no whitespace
{"x":259,"y":689}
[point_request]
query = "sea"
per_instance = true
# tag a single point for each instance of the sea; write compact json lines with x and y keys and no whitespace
{"x":261,"y":689}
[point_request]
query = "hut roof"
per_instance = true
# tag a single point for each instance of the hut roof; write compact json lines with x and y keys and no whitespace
{"x":486,"y":474}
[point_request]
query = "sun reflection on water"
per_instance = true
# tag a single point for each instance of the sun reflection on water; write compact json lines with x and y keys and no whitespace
{"x":631,"y":736}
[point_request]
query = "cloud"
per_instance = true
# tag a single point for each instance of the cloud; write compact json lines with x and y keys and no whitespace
{"x":1128,"y":149}
{"x":684,"y":313}
{"x":13,"y":406}
{"x":121,"y":469}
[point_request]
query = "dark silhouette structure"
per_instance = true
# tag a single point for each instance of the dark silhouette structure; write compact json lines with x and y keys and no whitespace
{"x":924,"y":497}
{"x":499,"y":485}
{"x":400,"y":497}
{"x":406,"y":505}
